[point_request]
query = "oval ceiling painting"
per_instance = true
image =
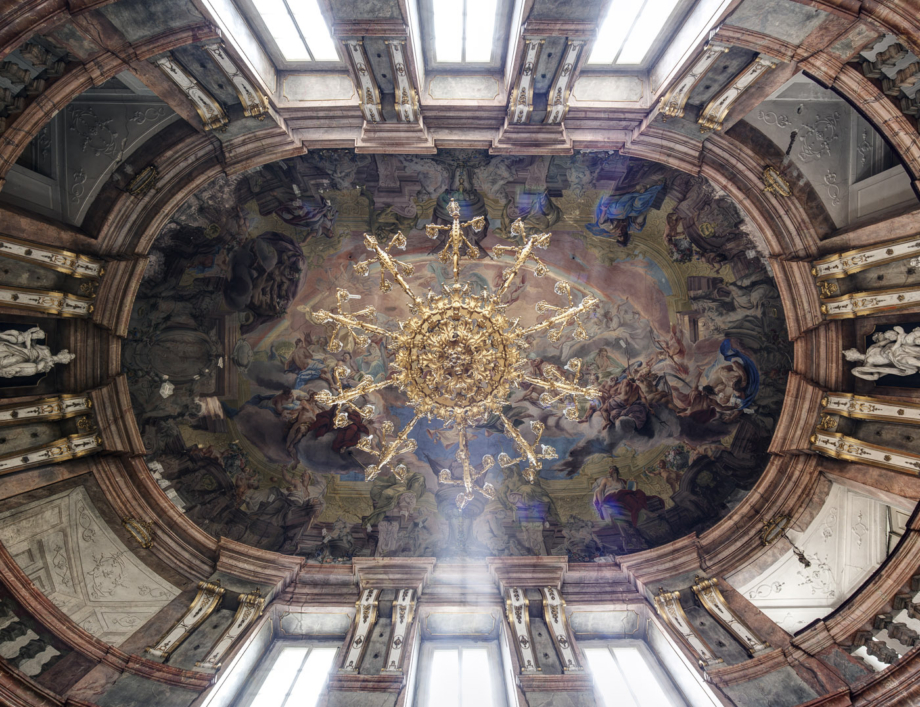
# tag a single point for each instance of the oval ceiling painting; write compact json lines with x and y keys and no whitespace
{"x":273,"y":419}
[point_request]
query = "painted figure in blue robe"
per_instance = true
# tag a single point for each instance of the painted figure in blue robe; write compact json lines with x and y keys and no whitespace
{"x":619,"y":216}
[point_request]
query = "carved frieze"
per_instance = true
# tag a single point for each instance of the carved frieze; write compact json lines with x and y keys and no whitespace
{"x":839,"y":446}
{"x":71,"y":447}
{"x":363,"y":74}
{"x":255,"y":103}
{"x":853,"y":261}
{"x":861,"y":304}
{"x":406,"y":96}
{"x":209,"y":110}
{"x":867,"y":408}
{"x":206,"y":601}
{"x":57,"y":259}
{"x":710,"y":596}
{"x":561,"y":87}
{"x":59,"y":407}
{"x":675,"y":100}
{"x":669,"y":608}
{"x":715,"y":112}
{"x":403,"y":615}
{"x":558,"y":625}
{"x":521,"y":104}
{"x":365,"y":618}
{"x":57,"y":303}
{"x":516,"y":609}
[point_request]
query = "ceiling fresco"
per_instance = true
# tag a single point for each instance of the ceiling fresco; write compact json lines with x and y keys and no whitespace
{"x":688,"y":348}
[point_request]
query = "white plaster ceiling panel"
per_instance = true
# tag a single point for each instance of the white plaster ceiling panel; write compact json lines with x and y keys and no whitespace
{"x":822,"y":147}
{"x":99,"y":133}
{"x":845,"y":543}
{"x":74,"y":558}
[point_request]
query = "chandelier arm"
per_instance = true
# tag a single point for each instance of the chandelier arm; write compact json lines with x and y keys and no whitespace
{"x":522,"y":256}
{"x":390,"y":264}
{"x":346,"y":396}
{"x":463,"y":455}
{"x":587,"y":304}
{"x":523,"y":446}
{"x":562,"y":386}
{"x":349,"y":322}
{"x":395,"y":447}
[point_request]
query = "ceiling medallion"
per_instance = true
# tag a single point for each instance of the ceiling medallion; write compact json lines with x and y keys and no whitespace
{"x":458,"y":356}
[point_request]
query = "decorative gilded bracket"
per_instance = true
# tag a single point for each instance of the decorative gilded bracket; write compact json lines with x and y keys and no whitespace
{"x":861,"y":304}
{"x":668,"y":606}
{"x":208,"y":598}
{"x":707,"y":590}
{"x":61,"y":304}
{"x":561,"y":88}
{"x":406,"y":97}
{"x":72,"y":447}
{"x":209,"y":110}
{"x":517,"y":610}
{"x":674,"y":101}
{"x":141,"y":530}
{"x":522,"y":97}
{"x":556,"y":621}
{"x":853,"y":261}
{"x":368,"y":92}
{"x":255,"y":103}
{"x":865,"y":408}
{"x":247,"y":612}
{"x":59,"y":407}
{"x":715,"y":112}
{"x":403,"y":614}
{"x":365,"y":618}
{"x":63,"y":261}
{"x":839,"y":446}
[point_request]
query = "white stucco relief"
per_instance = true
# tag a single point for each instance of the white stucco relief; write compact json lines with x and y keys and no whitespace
{"x":845,"y":543}
{"x":73,"y":557}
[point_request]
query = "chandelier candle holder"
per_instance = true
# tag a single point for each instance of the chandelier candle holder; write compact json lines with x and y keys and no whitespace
{"x":457,"y":357}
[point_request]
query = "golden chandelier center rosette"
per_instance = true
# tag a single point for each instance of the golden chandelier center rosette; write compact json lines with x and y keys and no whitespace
{"x":456,"y":358}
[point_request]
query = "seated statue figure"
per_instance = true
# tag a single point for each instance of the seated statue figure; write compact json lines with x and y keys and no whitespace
{"x":21,"y":356}
{"x":895,"y":352}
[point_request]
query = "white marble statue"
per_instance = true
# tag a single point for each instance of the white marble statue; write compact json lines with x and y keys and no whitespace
{"x":895,"y":352}
{"x":21,"y":356}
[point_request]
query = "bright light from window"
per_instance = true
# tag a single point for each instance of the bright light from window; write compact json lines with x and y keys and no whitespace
{"x":280,"y":677}
{"x":276,"y":17}
{"x":624,"y":679}
{"x":296,"y":678}
{"x":629,"y":30}
{"x":448,"y":30}
{"x":290,"y":22}
{"x":455,"y":20}
{"x":647,"y":27}
{"x":608,"y":678}
{"x":314,"y":29}
{"x":610,"y":38}
{"x":480,"y":26}
{"x":460,"y":677}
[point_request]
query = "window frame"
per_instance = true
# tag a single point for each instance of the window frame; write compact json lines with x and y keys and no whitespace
{"x":501,"y":36}
{"x":267,"y":40}
{"x":667,"y":33}
{"x":651,"y":660}
{"x":424,"y":663}
{"x":263,"y":670}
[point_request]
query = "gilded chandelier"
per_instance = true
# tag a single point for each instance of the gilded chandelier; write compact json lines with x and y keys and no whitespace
{"x":457,"y":357}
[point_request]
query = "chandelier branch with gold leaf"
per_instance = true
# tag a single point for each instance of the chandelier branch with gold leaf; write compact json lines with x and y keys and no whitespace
{"x":457,"y":357}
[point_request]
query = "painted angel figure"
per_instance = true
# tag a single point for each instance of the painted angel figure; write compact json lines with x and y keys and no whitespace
{"x":21,"y":356}
{"x":895,"y":352}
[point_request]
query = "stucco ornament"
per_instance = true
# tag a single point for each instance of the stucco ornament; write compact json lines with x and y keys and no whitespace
{"x":21,"y":356}
{"x":895,"y":352}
